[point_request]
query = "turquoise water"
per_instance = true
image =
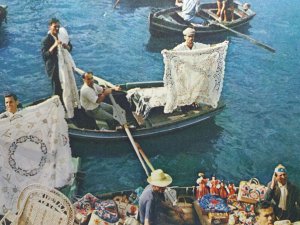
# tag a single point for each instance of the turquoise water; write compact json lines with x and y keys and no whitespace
{"x":258,"y":129}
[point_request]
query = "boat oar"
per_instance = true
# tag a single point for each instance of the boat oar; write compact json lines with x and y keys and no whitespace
{"x":144,"y":156}
{"x":116,"y":3}
{"x":120,"y":116}
{"x":244,"y":36}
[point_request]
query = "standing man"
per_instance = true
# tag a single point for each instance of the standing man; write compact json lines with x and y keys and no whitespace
{"x":264,"y":213}
{"x":49,"y":53}
{"x":11,"y":105}
{"x":92,"y":97}
{"x":285,"y":195}
{"x":189,"y":44}
{"x":152,"y":202}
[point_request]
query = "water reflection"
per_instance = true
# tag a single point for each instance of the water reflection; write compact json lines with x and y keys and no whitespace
{"x":156,"y":44}
{"x":177,"y":153}
{"x":129,"y":6}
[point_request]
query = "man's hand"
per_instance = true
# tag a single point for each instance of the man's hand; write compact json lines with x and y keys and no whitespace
{"x":66,"y":46}
{"x":179,"y":212}
{"x":273,"y":182}
{"x":178,"y":3}
{"x":117,"y":88}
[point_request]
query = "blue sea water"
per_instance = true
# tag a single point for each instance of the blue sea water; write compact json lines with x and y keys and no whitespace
{"x":258,"y":129}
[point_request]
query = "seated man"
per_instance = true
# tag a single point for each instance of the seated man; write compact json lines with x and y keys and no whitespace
{"x":285,"y":195}
{"x":189,"y":11}
{"x":11,"y":105}
{"x":264,"y":213}
{"x":189,"y":44}
{"x":92,"y":97}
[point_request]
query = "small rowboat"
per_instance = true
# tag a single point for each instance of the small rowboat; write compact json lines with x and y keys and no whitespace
{"x":3,"y":13}
{"x":156,"y":123}
{"x":168,"y":22}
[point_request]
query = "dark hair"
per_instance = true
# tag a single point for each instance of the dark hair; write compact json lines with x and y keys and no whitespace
{"x":262,"y":205}
{"x":53,"y":20}
{"x":10,"y":94}
{"x":89,"y":72}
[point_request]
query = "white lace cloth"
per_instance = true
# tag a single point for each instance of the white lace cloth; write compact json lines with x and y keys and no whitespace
{"x":190,"y":76}
{"x":34,"y":148}
{"x":66,"y":76}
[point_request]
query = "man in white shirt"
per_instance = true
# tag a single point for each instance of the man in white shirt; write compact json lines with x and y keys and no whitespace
{"x":189,"y":11}
{"x":92,"y":97}
{"x":11,"y":105}
{"x":285,"y":195}
{"x":189,"y":44}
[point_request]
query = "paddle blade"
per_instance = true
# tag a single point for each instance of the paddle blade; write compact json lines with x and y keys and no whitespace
{"x":119,"y":114}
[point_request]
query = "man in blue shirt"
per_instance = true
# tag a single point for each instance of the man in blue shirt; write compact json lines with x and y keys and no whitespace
{"x":151,"y":202}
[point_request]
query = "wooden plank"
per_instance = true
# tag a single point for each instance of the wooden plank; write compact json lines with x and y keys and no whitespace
{"x":203,"y":218}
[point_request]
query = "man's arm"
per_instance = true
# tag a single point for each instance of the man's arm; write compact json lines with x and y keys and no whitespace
{"x":106,"y":92}
{"x":48,"y":47}
{"x":175,"y":208}
{"x":198,"y":6}
{"x":271,"y":189}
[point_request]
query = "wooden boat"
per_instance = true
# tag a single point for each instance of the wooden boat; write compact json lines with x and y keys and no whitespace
{"x":82,"y":127}
{"x":3,"y":13}
{"x":86,"y":128}
{"x":167,"y":22}
{"x":127,"y":207}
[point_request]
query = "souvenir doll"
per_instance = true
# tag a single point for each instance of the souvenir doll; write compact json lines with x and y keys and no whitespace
{"x":202,"y":188}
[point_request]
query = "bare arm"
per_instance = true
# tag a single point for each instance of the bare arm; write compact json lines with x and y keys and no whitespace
{"x":106,"y":92}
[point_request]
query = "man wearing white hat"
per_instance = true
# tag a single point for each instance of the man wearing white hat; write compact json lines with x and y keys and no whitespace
{"x":189,"y":44}
{"x":285,"y":195}
{"x":151,"y":202}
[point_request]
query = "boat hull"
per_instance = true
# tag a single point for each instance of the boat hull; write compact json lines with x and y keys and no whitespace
{"x":98,"y":135}
{"x":167,"y":22}
{"x":157,"y":123}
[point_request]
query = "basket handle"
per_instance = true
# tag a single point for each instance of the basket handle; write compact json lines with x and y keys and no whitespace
{"x":254,"y":181}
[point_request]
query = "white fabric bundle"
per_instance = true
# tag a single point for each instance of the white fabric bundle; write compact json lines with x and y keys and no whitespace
{"x":66,"y":75}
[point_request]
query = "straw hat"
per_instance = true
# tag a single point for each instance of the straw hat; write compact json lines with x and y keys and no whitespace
{"x":159,"y":178}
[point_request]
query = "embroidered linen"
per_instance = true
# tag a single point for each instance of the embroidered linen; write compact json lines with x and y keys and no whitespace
{"x":34,"y":148}
{"x":147,"y":98}
{"x":190,"y":76}
{"x":66,"y":76}
{"x":194,"y":76}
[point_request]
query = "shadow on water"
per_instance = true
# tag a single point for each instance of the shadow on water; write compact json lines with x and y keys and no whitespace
{"x":129,"y":6}
{"x":157,"y":43}
{"x":190,"y":146}
{"x":189,"y":138}
{"x":3,"y":36}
